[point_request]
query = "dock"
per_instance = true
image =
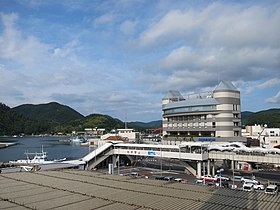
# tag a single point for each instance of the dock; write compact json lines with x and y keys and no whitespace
{"x":6,"y":144}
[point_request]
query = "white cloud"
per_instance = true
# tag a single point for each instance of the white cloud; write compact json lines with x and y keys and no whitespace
{"x":275,"y":99}
{"x":66,"y":50}
{"x":173,"y":25}
{"x":270,"y":83}
{"x":217,"y":42}
{"x":25,"y":50}
{"x":217,"y":25}
{"x":127,"y":27}
{"x":104,"y":19}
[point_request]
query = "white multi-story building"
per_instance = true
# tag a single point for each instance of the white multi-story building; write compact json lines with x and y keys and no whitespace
{"x":268,"y":137}
{"x":211,"y":114}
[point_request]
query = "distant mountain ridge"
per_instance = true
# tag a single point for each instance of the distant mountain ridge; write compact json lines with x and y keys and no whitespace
{"x":52,"y":112}
{"x":271,"y":117}
{"x":152,"y":124}
{"x":54,"y":117}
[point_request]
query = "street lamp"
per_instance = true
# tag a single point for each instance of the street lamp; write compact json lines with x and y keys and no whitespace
{"x":161,"y":160}
{"x":220,"y":171}
{"x":233,"y":166}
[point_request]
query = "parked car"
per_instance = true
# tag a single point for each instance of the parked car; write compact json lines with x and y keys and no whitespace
{"x":244,"y":179}
{"x":184,"y":181}
{"x":134,"y":174}
{"x":271,"y":189}
{"x":248,"y":187}
{"x":223,"y":178}
{"x":178,"y":180}
{"x":259,"y":186}
{"x":169,"y":178}
{"x":159,"y":177}
{"x":199,"y":181}
{"x":209,"y":178}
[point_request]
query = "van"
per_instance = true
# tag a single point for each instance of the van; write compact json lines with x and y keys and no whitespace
{"x":271,"y":189}
{"x":248,"y":187}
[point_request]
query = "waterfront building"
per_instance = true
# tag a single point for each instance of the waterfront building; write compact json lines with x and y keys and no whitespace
{"x":266,"y":137}
{"x":126,"y":133}
{"x":206,"y":116}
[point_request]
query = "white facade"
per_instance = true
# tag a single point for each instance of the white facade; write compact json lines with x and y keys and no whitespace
{"x":125,"y":133}
{"x":215,"y":114}
{"x":269,"y":137}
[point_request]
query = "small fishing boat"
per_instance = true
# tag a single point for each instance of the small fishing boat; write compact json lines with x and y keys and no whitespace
{"x":38,"y":158}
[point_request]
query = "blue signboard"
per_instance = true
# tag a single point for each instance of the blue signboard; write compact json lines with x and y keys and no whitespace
{"x":150,"y":153}
{"x":206,"y":139}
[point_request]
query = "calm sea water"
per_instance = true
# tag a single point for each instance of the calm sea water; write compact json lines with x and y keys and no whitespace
{"x":55,"y":149}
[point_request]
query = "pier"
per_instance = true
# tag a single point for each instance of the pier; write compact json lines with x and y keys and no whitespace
{"x":6,"y":144}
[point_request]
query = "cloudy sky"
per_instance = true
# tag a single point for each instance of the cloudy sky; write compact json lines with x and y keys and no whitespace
{"x":119,"y":57}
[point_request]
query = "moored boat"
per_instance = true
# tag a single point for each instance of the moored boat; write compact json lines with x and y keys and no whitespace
{"x":38,"y":158}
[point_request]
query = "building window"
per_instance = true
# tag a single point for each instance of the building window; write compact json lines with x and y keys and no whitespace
{"x":213,"y":124}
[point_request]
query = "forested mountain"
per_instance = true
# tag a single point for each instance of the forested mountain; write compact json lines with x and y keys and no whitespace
{"x":52,"y":112}
{"x":50,"y":118}
{"x":271,"y":117}
{"x":91,"y":121}
{"x":54,"y":117}
{"x":153,"y":124}
{"x":12,"y":122}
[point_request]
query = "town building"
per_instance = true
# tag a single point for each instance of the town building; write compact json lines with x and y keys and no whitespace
{"x":266,"y":137}
{"x":125,"y":133}
{"x":210,"y":116}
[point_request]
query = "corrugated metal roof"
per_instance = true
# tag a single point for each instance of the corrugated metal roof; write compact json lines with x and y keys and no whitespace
{"x":192,"y":102}
{"x":76,"y":189}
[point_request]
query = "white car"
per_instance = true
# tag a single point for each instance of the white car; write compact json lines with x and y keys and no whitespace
{"x":258,"y":186}
{"x":223,"y":178}
{"x":249,"y":180}
{"x":271,"y":189}
{"x":248,"y":187}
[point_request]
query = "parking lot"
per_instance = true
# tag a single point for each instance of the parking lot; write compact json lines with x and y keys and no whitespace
{"x":173,"y":175}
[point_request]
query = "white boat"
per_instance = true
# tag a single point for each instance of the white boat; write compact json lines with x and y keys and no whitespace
{"x":38,"y":158}
{"x":78,"y":139}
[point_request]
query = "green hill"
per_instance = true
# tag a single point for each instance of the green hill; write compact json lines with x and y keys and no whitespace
{"x":14,"y":123}
{"x":271,"y":117}
{"x":54,"y":117}
{"x":142,"y":125}
{"x":97,"y":120}
{"x":51,"y":112}
{"x":245,"y":116}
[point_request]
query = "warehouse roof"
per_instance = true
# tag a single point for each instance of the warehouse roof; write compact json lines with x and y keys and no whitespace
{"x":77,"y":189}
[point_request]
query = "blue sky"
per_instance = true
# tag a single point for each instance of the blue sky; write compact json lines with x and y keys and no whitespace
{"x":119,"y":57}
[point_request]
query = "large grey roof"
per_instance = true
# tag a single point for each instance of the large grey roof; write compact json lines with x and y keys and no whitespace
{"x":225,"y":85}
{"x":192,"y":102}
{"x":171,"y":94}
{"x":76,"y":189}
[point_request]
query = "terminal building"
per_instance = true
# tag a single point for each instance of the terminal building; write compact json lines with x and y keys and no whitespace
{"x":213,"y":116}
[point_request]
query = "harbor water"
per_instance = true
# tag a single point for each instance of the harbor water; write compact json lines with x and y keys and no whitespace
{"x":55,"y":147}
